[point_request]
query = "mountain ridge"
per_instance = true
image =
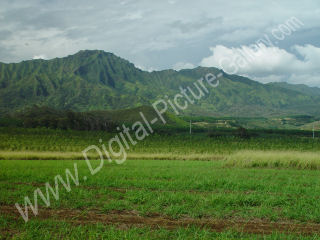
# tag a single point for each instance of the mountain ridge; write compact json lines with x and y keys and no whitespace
{"x":97,"y":80}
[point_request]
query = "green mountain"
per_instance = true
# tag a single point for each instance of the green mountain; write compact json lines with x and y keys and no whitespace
{"x":302,"y":88}
{"x":96,"y":80}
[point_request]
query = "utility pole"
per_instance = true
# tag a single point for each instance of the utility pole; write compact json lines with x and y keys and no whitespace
{"x":313,"y":132}
{"x":190,"y":126}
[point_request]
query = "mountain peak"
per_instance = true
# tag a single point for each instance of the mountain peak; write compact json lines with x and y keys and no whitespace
{"x":99,"y":80}
{"x":93,"y":53}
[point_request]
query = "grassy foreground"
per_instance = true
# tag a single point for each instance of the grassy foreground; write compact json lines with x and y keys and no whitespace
{"x":203,"y":187}
{"x":146,"y":191}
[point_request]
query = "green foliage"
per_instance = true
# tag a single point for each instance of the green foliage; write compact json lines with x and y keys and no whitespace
{"x":95,"y":120}
{"x":221,"y":141}
{"x":96,"y":80}
{"x":315,"y":91}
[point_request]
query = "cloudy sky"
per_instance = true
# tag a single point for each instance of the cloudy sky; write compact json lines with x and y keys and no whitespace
{"x":265,"y":40}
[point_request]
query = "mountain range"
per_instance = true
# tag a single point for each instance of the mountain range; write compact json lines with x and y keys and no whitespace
{"x":96,"y":80}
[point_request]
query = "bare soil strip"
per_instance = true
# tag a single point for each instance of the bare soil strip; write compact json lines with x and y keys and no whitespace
{"x":126,"y":219}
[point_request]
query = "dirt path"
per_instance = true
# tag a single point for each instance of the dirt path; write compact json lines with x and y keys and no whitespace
{"x":126,"y":219}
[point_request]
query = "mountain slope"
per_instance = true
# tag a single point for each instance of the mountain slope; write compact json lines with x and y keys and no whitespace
{"x":96,"y":80}
{"x":314,"y":91}
{"x":107,"y":120}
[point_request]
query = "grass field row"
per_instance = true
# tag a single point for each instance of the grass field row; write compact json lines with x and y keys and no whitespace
{"x":176,"y":190}
{"x":53,"y":229}
{"x":203,"y":187}
{"x":243,"y":158}
{"x":44,"y":140}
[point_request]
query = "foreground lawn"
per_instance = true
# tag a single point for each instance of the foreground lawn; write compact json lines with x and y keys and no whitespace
{"x":169,"y":197}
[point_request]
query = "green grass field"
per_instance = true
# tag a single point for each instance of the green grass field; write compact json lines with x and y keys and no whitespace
{"x":171,"y":187}
{"x":48,"y":140}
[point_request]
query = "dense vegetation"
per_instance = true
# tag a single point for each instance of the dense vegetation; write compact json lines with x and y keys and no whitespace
{"x":96,"y":80}
{"x":107,"y":120}
{"x":218,"y":141}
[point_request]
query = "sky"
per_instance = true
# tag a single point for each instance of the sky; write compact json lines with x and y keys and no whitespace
{"x":268,"y":41}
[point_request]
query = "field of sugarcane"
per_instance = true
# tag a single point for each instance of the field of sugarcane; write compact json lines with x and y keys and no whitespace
{"x":172,"y":186}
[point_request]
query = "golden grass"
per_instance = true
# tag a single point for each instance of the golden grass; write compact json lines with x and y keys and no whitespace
{"x":246,"y":158}
{"x":33,"y":155}
{"x":177,"y":156}
{"x":274,"y":159}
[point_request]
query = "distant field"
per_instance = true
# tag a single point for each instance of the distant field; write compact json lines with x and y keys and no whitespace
{"x":172,"y":142}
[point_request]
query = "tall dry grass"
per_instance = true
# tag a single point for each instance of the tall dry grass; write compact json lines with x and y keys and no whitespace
{"x":245,"y":158}
{"x":274,"y":159}
{"x":33,"y":155}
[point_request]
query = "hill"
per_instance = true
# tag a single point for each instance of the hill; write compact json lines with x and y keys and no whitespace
{"x":94,"y":80}
{"x":315,"y":91}
{"x":107,"y":120}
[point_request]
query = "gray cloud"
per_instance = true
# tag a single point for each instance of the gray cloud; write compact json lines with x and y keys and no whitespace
{"x":151,"y":34}
{"x":194,"y":26}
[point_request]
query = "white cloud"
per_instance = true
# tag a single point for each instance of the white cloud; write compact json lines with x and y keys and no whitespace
{"x":182,"y":65}
{"x":41,"y":56}
{"x":267,"y":64}
{"x":312,"y":79}
{"x":45,"y":44}
{"x":143,"y":68}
